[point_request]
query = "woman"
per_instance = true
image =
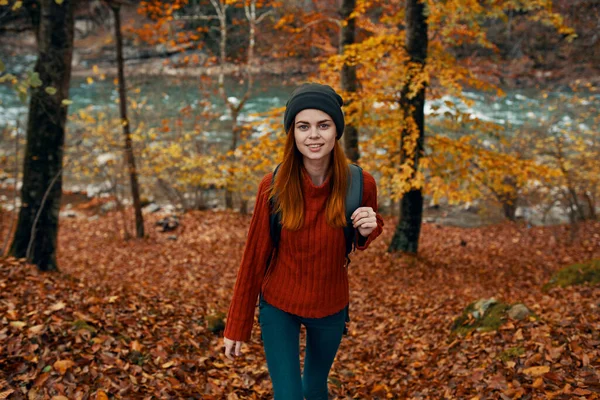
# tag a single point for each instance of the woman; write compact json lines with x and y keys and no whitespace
{"x":307,"y":282}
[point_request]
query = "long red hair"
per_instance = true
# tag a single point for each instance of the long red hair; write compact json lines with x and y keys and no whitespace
{"x":287,"y":188}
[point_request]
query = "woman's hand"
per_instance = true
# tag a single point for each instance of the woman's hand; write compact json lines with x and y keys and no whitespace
{"x":364,"y":218}
{"x":229,"y":344}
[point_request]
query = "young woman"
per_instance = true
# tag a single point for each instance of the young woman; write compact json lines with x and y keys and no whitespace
{"x":307,"y":282}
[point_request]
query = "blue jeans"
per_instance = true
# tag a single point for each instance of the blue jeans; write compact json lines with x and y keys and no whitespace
{"x":281,"y":340}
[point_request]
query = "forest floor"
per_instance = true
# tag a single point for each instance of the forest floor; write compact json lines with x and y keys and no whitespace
{"x":129,"y":319}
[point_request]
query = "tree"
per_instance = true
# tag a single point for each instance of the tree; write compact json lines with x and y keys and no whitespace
{"x":37,"y":227}
{"x":178,"y":22}
{"x":234,"y":105}
{"x":408,"y":49}
{"x":135,"y":192}
{"x":412,"y":104}
{"x":349,"y":81}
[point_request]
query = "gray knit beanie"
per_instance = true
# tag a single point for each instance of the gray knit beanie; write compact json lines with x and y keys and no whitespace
{"x":320,"y":97}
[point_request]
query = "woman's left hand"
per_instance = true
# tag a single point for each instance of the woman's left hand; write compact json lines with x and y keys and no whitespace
{"x":364,"y":218}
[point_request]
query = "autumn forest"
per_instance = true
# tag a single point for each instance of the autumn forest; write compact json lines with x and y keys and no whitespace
{"x":133,"y":137}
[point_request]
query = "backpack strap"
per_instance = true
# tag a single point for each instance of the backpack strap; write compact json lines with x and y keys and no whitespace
{"x":274,"y":218}
{"x":274,"y":225}
{"x":353,"y":201}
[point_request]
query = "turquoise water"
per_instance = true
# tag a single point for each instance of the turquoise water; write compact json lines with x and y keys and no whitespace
{"x":164,"y":98}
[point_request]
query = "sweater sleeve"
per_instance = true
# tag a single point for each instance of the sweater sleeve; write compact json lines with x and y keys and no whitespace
{"x":369,"y":200}
{"x":259,"y":246}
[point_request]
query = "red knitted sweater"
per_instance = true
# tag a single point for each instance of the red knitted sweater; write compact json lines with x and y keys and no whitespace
{"x":308,"y":277}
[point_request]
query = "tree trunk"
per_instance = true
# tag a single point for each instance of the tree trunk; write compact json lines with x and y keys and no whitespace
{"x":130,"y":159}
{"x":591,"y":206}
{"x":508,"y":199}
{"x":43,"y":160}
{"x":510,"y":210}
{"x":349,"y":80}
{"x":406,"y":237}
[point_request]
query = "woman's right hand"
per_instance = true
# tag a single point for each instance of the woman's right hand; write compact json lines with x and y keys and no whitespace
{"x":229,"y":345}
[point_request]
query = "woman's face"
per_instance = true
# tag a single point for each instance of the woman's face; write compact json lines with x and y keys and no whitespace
{"x":315,"y":134}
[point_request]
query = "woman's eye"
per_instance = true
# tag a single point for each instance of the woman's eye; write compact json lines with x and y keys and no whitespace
{"x":324,"y":126}
{"x":303,"y":127}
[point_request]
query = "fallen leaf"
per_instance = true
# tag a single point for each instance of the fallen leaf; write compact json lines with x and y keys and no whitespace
{"x":581,"y":392}
{"x":538,"y":383}
{"x":6,"y":393}
{"x":36,"y":329}
{"x":536,"y":371}
{"x":100,"y":395}
{"x":55,"y":307}
{"x":62,"y":366}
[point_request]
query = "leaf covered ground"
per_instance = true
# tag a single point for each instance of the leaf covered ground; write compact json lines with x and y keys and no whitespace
{"x":129,"y":319}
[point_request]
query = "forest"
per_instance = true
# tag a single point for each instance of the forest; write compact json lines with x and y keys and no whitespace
{"x":133,"y":137}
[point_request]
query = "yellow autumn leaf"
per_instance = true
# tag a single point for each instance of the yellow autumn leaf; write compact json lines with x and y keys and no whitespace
{"x":36,"y":329}
{"x":539,"y":382}
{"x":135,"y":345}
{"x":62,"y":366}
{"x":537,"y":371}
{"x":17,"y":5}
{"x":6,"y":393}
{"x":101,"y":395}
{"x":90,"y":80}
{"x":57,"y":306}
{"x":18,"y":324}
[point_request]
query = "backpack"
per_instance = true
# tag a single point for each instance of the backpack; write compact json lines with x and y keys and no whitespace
{"x":353,"y":201}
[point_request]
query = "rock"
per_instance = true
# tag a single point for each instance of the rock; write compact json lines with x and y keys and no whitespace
{"x":216,"y":323}
{"x":169,"y":223}
{"x":471,"y":207}
{"x":169,"y":209}
{"x":487,"y":315}
{"x":109,"y":206}
{"x":481,"y":316}
{"x":172,"y":237}
{"x":68,"y":214}
{"x":151,"y":208}
{"x":481,"y":306}
{"x":576,"y":274}
{"x":519,"y":312}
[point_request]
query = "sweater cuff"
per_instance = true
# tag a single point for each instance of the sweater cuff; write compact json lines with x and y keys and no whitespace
{"x":362,"y":242}
{"x":239,"y":330}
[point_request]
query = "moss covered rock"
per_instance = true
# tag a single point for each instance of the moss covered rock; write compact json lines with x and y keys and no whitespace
{"x":215,"y":322}
{"x":487,"y":315}
{"x":576,"y":274}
